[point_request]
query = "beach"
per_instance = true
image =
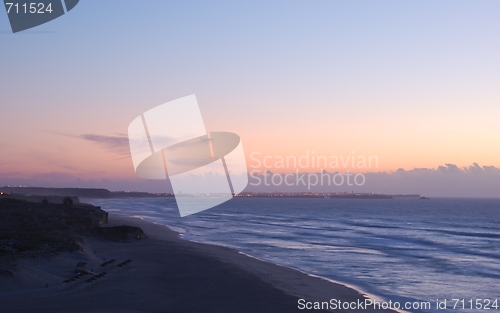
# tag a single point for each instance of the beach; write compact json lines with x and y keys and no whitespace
{"x":167,"y":274}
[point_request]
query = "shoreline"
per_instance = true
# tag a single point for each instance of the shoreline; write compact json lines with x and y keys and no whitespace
{"x":141,"y":220}
{"x":167,"y":274}
{"x":308,"y":290}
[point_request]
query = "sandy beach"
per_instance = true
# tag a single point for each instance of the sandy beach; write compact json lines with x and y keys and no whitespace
{"x":167,"y":274}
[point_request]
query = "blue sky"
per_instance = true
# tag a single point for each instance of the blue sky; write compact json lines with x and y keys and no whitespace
{"x":413,"y":82}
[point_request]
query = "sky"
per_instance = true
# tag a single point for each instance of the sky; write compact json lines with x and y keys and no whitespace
{"x":412,"y":83}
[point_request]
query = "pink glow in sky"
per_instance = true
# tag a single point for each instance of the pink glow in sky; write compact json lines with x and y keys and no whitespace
{"x":415,"y":84}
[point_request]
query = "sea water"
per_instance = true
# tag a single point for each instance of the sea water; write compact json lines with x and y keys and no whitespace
{"x":398,"y":249}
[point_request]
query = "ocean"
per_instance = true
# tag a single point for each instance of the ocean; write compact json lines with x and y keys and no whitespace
{"x":401,"y":250}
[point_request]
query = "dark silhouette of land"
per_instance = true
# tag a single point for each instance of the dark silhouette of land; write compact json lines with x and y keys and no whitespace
{"x":80,"y":192}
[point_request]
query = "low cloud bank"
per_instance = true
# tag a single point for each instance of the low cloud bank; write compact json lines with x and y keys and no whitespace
{"x":445,"y":181}
{"x":448,"y":180}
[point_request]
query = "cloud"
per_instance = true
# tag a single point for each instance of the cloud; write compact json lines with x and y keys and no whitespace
{"x":449,"y":168}
{"x":117,"y":144}
{"x":447,"y":180}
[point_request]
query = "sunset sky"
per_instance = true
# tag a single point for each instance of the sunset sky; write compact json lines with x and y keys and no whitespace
{"x":415,"y":83}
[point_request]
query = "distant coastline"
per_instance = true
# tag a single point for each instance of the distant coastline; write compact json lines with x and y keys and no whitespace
{"x":80,"y":192}
{"x":105,"y":194}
